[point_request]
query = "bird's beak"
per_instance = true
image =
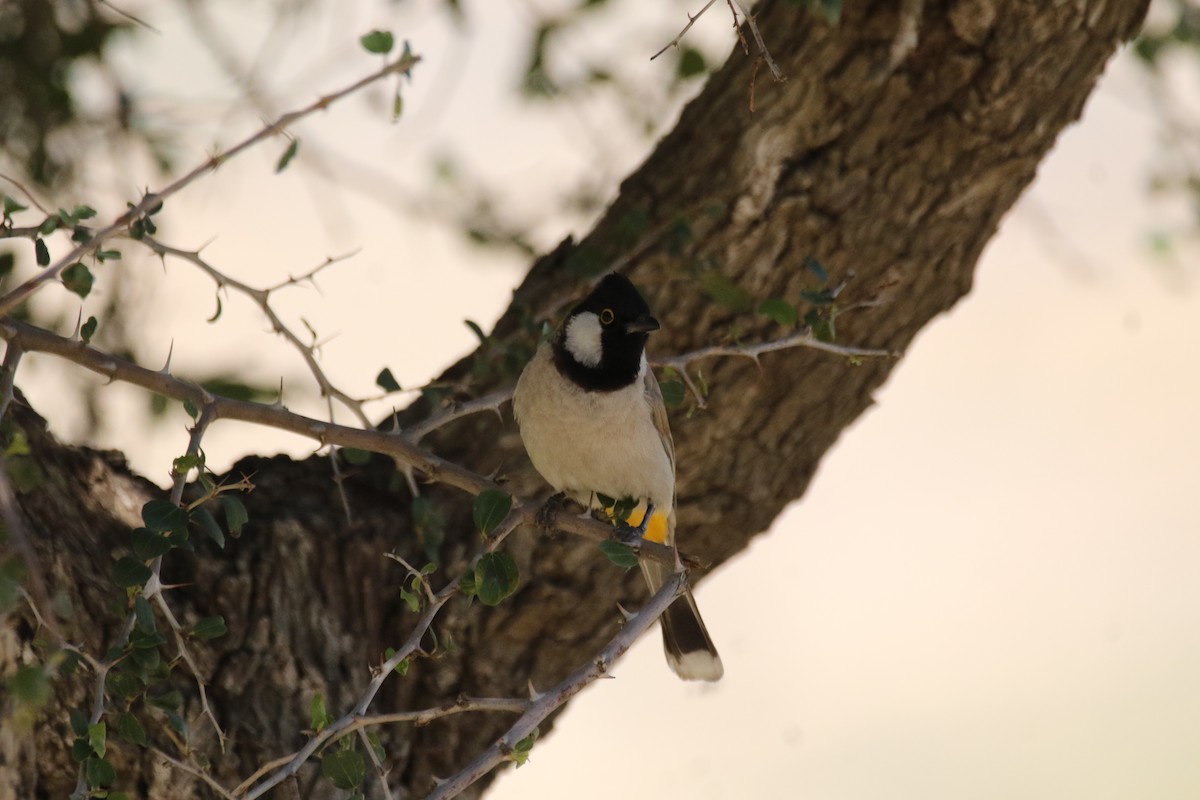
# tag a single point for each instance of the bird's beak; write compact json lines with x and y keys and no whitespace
{"x":643,"y":324}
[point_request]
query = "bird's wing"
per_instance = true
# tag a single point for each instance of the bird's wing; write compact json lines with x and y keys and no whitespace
{"x":658,"y":413}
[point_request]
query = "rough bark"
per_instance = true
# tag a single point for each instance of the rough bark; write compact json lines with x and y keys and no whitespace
{"x":899,"y":177}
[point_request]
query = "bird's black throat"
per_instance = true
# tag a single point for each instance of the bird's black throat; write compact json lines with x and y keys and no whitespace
{"x":620,"y":362}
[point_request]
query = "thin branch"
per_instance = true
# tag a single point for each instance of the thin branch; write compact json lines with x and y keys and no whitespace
{"x":196,"y":772}
{"x":152,"y":200}
{"x":490,"y":402}
{"x":12,"y":360}
{"x":379,"y":770}
{"x":753,"y":352}
{"x":763,"y":52}
{"x":28,"y":194}
{"x":262,"y":298}
{"x":691,"y":21}
{"x":545,"y":704}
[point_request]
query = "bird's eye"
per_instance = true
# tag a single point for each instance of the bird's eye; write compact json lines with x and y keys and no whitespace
{"x":606,"y":316}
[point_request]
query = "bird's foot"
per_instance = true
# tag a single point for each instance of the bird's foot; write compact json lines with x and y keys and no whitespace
{"x":629,"y":533}
{"x":549,"y":511}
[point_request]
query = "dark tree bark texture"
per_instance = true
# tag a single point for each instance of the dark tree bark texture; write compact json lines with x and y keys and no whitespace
{"x":898,"y":177}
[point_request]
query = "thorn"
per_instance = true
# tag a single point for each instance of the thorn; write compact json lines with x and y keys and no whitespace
{"x":166,"y":368}
{"x":78,"y":326}
{"x":627,"y":614}
{"x":534,"y":694}
{"x":279,"y":400}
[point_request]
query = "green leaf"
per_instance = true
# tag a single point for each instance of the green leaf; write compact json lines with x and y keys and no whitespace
{"x":41,"y":252}
{"x":78,"y":278}
{"x":780,"y":311}
{"x":522,"y":749}
{"x":210,"y":628}
{"x":673,"y":392}
{"x":122,"y":684}
{"x":620,"y":554}
{"x":79,"y":748}
{"x":402,"y":665}
{"x":691,"y":63}
{"x":30,"y":685}
{"x":79,"y":722}
{"x":821,"y":326}
{"x":163,"y":515}
{"x":345,"y":768}
{"x":130,"y":729}
{"x":235,"y":514}
{"x":141,"y":640}
{"x":49,"y":225}
{"x":823,"y":297}
{"x":169,"y":699}
{"x":83,"y":212}
{"x":475,"y":329}
{"x":397,"y":106}
{"x":379,"y":42}
{"x":88,"y":330}
{"x":144,"y":615}
{"x":355,"y":456}
{"x":99,"y":773}
{"x":98,"y":738}
{"x":7,"y":262}
{"x":496,"y":577}
{"x":129,"y":572}
{"x":190,"y":409}
{"x":208,"y":523}
{"x":318,"y":717}
{"x":11,"y":206}
{"x":489,"y":509}
{"x":816,"y":268}
{"x":146,"y":544}
{"x":386,"y":381}
{"x":287,"y":156}
{"x":411,"y":599}
{"x":724,"y":291}
{"x":185,"y":463}
{"x":108,"y":255}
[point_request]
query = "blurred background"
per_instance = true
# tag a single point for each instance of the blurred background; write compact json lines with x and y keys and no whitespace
{"x":989,"y":591}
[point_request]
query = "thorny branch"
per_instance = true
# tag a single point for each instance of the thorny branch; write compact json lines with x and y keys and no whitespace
{"x":545,"y":704}
{"x":763,"y":53}
{"x":262,"y":298}
{"x":152,"y":200}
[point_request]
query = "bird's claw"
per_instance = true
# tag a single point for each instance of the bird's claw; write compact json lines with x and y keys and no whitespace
{"x":629,"y":533}
{"x":547,"y":514}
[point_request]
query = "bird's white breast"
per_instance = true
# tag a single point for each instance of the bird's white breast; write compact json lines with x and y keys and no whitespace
{"x":591,"y":442}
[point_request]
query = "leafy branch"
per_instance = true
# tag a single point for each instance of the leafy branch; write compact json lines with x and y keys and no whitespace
{"x":153,"y":200}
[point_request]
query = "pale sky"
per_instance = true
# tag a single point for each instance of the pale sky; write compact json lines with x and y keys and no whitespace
{"x":989,"y":591}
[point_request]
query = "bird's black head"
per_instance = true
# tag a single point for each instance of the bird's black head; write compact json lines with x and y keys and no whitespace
{"x":600,"y":343}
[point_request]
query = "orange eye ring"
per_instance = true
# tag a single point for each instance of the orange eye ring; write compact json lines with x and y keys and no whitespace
{"x":607,"y":316}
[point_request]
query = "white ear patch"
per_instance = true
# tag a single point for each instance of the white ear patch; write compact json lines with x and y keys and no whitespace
{"x":582,"y":339}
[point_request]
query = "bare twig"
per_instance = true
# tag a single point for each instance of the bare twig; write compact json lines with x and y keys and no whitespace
{"x":490,"y":402}
{"x":153,"y":199}
{"x":262,"y":298}
{"x":12,"y":360}
{"x":545,"y":704}
{"x":763,"y":52}
{"x":754,"y":351}
{"x":691,"y":21}
{"x":28,"y":194}
{"x":195,"y":772}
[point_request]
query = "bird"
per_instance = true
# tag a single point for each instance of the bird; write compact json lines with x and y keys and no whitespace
{"x":593,"y":421}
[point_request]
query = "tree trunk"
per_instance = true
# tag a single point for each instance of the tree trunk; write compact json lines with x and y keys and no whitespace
{"x":893,"y":178}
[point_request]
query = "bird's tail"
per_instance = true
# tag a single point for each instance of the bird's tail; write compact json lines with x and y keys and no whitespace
{"x":690,"y":651}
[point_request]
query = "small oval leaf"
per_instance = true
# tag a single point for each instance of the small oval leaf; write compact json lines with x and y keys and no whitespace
{"x":489,"y":509}
{"x":496,"y":577}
